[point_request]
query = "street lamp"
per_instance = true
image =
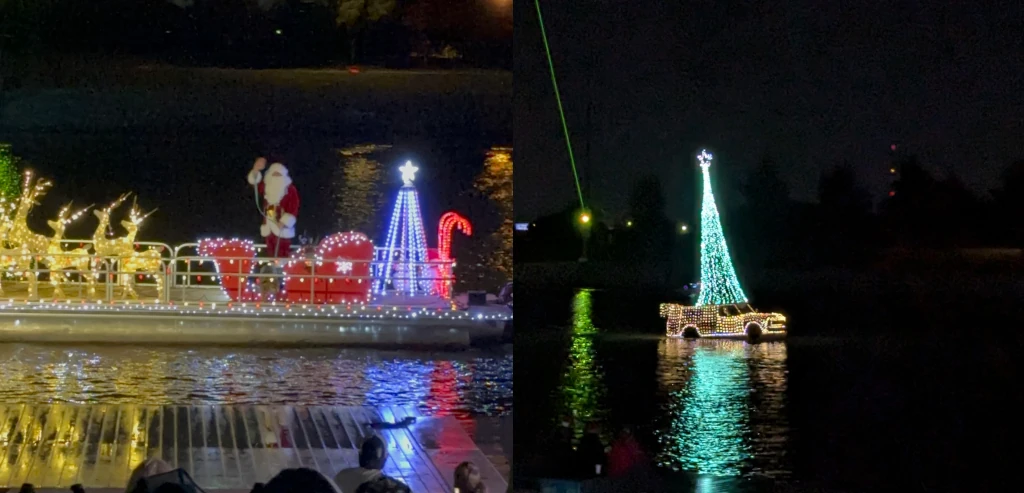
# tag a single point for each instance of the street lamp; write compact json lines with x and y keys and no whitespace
{"x":585,"y":219}
{"x":683,"y":229}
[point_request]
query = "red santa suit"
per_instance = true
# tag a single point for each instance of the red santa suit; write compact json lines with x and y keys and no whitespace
{"x":280,"y":208}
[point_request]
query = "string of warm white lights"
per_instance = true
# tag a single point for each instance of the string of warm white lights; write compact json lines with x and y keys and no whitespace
{"x":719,"y":321}
{"x":272,"y":310}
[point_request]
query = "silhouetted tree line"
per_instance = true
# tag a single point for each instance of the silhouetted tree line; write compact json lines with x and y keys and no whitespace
{"x":257,"y":33}
{"x":769,"y":229}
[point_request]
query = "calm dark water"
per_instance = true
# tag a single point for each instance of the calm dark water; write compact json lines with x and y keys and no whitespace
{"x":464,"y":384}
{"x":867,"y":413}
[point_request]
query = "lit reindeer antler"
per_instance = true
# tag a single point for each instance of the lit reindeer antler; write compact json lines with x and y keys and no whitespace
{"x":136,"y":217}
{"x":117,"y":203}
{"x":63,"y":217}
{"x":31,"y":192}
{"x":150,"y":213}
{"x":104,"y":220}
{"x":63,"y":214}
{"x":26,"y":186}
{"x":40,"y":189}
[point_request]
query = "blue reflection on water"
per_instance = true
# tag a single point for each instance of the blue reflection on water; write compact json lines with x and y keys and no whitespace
{"x":464,"y":383}
{"x":408,"y":378}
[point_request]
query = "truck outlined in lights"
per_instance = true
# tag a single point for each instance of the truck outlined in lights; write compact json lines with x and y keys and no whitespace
{"x":738,"y":321}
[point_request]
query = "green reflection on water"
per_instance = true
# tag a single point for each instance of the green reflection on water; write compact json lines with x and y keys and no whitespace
{"x":582,"y":310}
{"x":708,"y":415}
{"x":583,"y":381}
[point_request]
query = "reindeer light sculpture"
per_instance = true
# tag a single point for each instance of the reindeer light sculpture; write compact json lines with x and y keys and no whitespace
{"x":58,"y":259}
{"x":105,"y":248}
{"x":131,"y":262}
{"x":8,"y":260}
{"x":31,"y":246}
{"x":149,"y":262}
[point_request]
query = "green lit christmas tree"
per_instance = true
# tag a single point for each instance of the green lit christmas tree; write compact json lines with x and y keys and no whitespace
{"x":10,"y":177}
{"x":718,"y":282}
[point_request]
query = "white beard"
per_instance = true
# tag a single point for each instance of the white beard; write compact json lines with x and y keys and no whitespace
{"x":274,"y":188}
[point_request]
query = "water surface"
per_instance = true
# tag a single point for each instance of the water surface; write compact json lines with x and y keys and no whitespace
{"x":470,"y":383}
{"x":855,"y":412}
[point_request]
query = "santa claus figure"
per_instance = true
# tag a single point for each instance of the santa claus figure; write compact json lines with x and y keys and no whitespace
{"x":280,"y":206}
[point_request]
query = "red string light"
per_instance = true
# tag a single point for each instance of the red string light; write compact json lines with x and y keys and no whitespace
{"x":450,"y":221}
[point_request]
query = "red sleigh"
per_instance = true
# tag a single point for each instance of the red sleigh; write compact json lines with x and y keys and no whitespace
{"x":337,"y":272}
{"x":235,"y":260}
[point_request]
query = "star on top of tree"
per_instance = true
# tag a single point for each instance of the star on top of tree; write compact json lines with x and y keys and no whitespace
{"x":705,"y":158}
{"x":408,"y":173}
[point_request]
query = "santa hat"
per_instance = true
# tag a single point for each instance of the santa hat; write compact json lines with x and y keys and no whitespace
{"x":277,"y":167}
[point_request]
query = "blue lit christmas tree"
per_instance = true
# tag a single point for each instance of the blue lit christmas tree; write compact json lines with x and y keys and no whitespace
{"x":718,"y":282}
{"x":405,"y":255}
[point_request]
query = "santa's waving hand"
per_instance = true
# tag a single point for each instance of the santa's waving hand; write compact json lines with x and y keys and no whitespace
{"x":280,"y":206}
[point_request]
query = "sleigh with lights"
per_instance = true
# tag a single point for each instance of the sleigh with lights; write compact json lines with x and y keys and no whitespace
{"x":337,"y":271}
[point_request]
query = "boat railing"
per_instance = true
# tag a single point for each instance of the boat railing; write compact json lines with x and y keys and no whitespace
{"x":188,"y":260}
{"x":175,"y":270}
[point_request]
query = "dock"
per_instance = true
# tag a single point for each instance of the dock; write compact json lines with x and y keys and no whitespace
{"x":224,"y":448}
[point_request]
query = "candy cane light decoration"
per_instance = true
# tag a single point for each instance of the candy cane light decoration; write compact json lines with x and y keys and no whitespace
{"x":450,"y":221}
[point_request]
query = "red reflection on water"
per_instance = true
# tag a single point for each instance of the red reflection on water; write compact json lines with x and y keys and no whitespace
{"x":443,"y":399}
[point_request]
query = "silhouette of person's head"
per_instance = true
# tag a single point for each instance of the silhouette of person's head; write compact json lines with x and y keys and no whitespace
{"x":301,"y":480}
{"x":172,"y":488}
{"x":373,"y":453}
{"x":467,"y":478}
{"x":148,"y":468}
{"x":626,"y":433}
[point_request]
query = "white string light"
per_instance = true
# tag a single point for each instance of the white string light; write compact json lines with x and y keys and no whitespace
{"x":269,"y":310}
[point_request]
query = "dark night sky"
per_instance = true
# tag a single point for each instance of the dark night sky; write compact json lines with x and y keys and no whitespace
{"x":811,"y":83}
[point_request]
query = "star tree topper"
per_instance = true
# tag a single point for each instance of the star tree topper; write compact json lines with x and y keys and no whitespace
{"x":705,"y":158}
{"x":408,"y":173}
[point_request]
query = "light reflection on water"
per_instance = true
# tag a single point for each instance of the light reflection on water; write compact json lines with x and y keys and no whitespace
{"x":725,"y":412}
{"x":722,"y":403}
{"x":473,"y":382}
{"x":582,"y":384}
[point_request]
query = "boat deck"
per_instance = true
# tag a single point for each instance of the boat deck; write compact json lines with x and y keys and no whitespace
{"x":206,"y":315}
{"x":225,"y":448}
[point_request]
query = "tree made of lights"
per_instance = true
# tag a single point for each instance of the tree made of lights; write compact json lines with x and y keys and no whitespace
{"x":718,"y":282}
{"x":405,"y":255}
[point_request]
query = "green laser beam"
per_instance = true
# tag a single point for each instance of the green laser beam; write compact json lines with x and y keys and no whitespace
{"x":558,"y":98}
